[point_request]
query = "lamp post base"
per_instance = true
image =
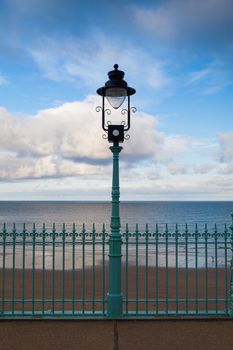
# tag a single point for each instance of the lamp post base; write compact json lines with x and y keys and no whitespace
{"x":115,"y":303}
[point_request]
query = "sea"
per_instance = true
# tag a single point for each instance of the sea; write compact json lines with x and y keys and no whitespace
{"x":141,"y":213}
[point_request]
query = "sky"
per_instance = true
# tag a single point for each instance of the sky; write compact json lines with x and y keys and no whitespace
{"x":178,"y":56}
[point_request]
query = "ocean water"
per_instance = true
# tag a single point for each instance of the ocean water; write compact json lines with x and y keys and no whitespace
{"x":151,"y":213}
{"x":142,"y":213}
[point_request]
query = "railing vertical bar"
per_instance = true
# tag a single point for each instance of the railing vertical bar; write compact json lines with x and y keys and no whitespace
{"x":177,"y":266}
{"x":43,"y":268}
{"x":63,"y":267}
{"x":226,"y":268}
{"x":83,"y":268}
{"x":186,"y":270}
{"x":3,"y":267}
{"x":33,"y":267}
{"x":216,"y":266}
{"x":127,"y":268}
{"x":73,"y":268}
{"x":53,"y":267}
{"x":157,"y":268}
{"x":231,"y":269}
{"x":147,"y":279}
{"x":13,"y":271}
{"x":166,"y":267}
{"x":196,"y":269}
{"x":93,"y":269}
{"x":136,"y":236}
{"x":23,"y":270}
{"x":103,"y":268}
{"x":206,"y":271}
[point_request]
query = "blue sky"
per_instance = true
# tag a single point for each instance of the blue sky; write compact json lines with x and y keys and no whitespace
{"x":176,"y":54}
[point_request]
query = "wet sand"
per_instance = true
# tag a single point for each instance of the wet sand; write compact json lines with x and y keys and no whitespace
{"x":159,"y":333}
{"x":95,"y":285}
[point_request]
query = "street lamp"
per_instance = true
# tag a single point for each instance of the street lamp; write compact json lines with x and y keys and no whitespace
{"x":116,"y":90}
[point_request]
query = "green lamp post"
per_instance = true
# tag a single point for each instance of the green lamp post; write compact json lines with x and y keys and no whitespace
{"x":116,"y":90}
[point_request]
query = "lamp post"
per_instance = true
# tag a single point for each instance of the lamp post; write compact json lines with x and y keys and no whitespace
{"x":116,"y":90}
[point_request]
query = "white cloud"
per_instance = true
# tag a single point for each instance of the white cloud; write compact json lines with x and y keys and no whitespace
{"x":191,"y":18}
{"x":226,"y":146}
{"x":198,"y":76}
{"x":67,"y":141}
{"x":87,"y":61}
{"x":211,"y":79}
{"x":3,"y":80}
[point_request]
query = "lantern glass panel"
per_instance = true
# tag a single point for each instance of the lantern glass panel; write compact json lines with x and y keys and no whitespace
{"x":116,"y":96}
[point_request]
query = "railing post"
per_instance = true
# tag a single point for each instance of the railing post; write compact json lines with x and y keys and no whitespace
{"x":115,"y":294}
{"x":231,"y":283}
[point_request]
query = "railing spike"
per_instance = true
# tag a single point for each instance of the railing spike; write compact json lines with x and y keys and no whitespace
{"x":64,"y":228}
{"x":231,"y":227}
{"x":177,"y":231}
{"x":225,"y":229}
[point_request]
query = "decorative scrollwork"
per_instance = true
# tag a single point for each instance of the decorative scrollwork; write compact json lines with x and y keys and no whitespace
{"x":107,"y":111}
{"x":127,"y":136}
{"x":108,"y":122}
{"x":98,"y":109}
{"x":124,"y":111}
{"x":105,"y":136}
{"x":123,"y":122}
{"x":133,"y":109}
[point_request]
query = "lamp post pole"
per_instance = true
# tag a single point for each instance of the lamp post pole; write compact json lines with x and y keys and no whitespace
{"x":115,"y":294}
{"x":115,"y":91}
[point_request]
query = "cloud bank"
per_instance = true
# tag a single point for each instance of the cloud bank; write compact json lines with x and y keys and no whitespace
{"x":65,"y":142}
{"x":195,"y":19}
{"x":71,"y":59}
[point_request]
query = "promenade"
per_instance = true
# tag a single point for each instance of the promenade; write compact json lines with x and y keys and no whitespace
{"x":156,"y":334}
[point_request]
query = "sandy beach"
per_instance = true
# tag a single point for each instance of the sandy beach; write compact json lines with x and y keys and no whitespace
{"x":159,"y":333}
{"x":96,"y":285}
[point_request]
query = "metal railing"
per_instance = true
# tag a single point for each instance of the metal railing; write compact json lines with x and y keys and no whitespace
{"x":165,"y":271}
{"x":177,"y":273}
{"x":53,"y":274}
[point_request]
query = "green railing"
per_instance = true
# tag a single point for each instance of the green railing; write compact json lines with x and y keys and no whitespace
{"x":165,"y":271}
{"x":177,"y":273}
